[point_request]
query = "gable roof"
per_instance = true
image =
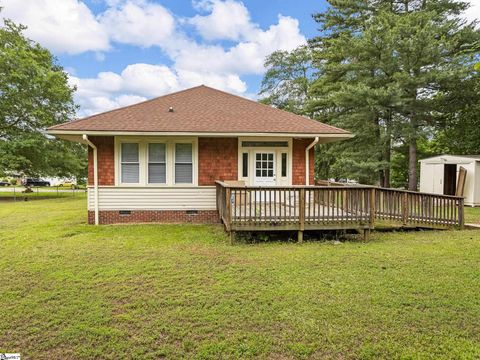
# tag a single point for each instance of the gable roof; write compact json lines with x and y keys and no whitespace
{"x":199,"y":110}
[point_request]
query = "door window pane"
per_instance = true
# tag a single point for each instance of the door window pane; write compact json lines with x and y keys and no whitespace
{"x":245,"y":164}
{"x":264,"y":165}
{"x":284,"y":165}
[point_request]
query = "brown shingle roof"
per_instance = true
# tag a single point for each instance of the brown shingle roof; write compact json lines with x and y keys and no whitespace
{"x":200,"y":109}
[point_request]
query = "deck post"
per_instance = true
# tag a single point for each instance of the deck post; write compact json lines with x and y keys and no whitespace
{"x":461,"y":213}
{"x":300,"y":236}
{"x":366,"y":235}
{"x":372,"y":208}
{"x":232,"y":237}
{"x":405,"y":209}
{"x":301,"y":214}
{"x":228,"y":206}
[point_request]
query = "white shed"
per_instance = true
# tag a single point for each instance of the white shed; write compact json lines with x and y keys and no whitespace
{"x":439,"y":175}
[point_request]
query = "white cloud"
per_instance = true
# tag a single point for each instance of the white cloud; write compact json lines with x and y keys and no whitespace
{"x":138,"y":23}
{"x":473,"y":12}
{"x":137,"y":82}
{"x":149,"y":80}
{"x":244,"y":58}
{"x":66,"y":26}
{"x":227,"y":20}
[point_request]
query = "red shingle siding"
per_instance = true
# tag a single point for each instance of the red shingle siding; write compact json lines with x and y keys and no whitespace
{"x":155,"y":216}
{"x":298,"y":154}
{"x":217,"y":160}
{"x":106,"y":160}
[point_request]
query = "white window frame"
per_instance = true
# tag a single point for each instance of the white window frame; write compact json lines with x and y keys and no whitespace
{"x":175,"y":162}
{"x":124,"y":162}
{"x":143,"y":142}
{"x":280,"y":181}
{"x":166,"y":163}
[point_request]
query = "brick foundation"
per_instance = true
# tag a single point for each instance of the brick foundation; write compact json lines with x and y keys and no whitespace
{"x":155,"y":216}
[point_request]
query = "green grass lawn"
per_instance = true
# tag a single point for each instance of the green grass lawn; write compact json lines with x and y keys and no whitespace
{"x":472,"y":215}
{"x":74,"y":291}
{"x":52,"y":193}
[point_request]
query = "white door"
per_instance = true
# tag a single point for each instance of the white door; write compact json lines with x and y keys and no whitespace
{"x":265,"y":169}
{"x":438,"y":174}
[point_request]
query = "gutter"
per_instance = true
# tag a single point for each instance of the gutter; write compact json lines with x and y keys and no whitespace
{"x":95,"y":174}
{"x":307,"y":160}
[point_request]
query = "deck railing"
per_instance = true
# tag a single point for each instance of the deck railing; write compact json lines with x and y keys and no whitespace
{"x":411,"y":208}
{"x":332,"y":207}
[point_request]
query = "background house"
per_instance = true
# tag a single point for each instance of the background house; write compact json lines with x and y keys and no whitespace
{"x":439,"y":175}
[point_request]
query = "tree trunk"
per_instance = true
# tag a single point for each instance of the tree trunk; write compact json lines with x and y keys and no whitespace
{"x":388,"y":148}
{"x":412,"y":164}
{"x":386,"y":176}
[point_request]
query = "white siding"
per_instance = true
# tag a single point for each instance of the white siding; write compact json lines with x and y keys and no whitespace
{"x":149,"y":198}
{"x":476,"y":192}
{"x":469,"y":182}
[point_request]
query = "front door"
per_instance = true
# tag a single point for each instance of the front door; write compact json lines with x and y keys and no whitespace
{"x":265,"y":169}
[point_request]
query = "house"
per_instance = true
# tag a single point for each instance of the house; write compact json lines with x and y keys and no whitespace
{"x":439,"y":175}
{"x":158,"y":161}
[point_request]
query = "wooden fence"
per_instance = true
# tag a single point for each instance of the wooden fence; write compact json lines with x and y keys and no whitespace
{"x":332,"y":207}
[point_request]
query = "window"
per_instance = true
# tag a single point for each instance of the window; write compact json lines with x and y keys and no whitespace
{"x":284,"y":165}
{"x":183,"y":163}
{"x":245,"y":165}
{"x":264,"y":143}
{"x":130,"y":163}
{"x":157,"y":164}
{"x":264,"y":165}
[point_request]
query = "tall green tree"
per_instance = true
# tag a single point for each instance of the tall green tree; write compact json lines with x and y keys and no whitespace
{"x":34,"y":94}
{"x":386,"y":67}
{"x":287,"y":81}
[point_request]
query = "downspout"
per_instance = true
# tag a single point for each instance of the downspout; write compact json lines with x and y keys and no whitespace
{"x":307,"y":160}
{"x":95,"y":175}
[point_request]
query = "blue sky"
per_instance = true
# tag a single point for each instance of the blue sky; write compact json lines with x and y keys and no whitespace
{"x":118,"y":52}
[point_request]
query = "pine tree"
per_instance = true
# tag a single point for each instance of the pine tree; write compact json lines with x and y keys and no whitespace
{"x":384,"y":67}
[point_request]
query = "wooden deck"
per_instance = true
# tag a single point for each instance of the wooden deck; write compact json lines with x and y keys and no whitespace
{"x":360,"y":208}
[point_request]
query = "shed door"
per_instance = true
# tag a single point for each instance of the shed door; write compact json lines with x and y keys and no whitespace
{"x":450,"y":179}
{"x":438,"y":178}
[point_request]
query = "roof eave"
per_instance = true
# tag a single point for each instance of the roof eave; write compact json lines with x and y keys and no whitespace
{"x":330,"y":136}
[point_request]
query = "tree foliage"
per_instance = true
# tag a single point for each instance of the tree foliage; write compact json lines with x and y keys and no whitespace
{"x":34,"y":94}
{"x":288,"y":78}
{"x":391,"y":72}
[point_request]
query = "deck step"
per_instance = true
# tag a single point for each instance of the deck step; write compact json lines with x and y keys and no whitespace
{"x":472,"y":226}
